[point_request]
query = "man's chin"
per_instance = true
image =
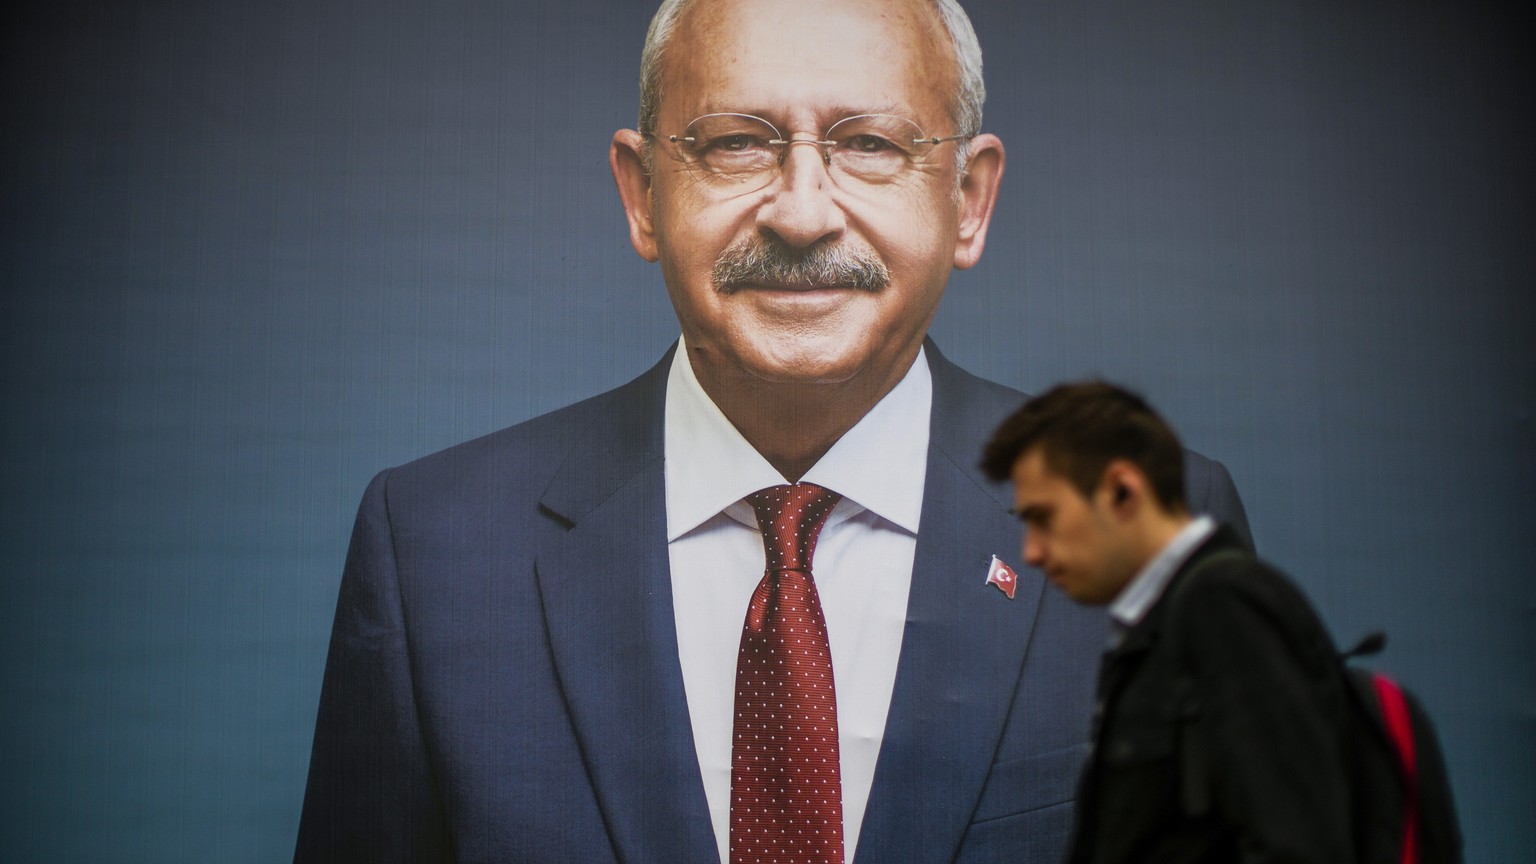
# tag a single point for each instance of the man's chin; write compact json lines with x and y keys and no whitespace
{"x":810,"y":357}
{"x":1075,"y":590}
{"x":809,"y":372}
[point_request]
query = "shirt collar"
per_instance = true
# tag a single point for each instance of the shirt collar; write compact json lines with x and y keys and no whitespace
{"x":1138,"y":596}
{"x":878,"y":465}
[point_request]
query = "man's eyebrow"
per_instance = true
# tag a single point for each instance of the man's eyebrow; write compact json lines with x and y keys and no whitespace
{"x":1030,"y":512}
{"x":829,"y":113}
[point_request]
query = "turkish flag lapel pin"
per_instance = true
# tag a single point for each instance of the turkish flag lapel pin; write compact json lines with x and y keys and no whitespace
{"x":1002,"y":576}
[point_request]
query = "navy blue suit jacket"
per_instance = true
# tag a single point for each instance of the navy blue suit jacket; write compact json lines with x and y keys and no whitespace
{"x":503,"y":682}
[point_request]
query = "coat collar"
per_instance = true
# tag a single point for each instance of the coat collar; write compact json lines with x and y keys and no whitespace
{"x":620,"y":443}
{"x":1141,"y":637}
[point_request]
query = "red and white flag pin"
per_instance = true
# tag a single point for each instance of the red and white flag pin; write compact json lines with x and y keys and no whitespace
{"x":1002,"y":576}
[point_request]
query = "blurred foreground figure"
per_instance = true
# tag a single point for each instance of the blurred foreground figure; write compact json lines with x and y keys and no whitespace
{"x":1218,"y":733}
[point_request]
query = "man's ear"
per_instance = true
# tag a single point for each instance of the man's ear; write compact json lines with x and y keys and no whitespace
{"x":626,"y":156}
{"x":1122,"y":487}
{"x":978,"y":195}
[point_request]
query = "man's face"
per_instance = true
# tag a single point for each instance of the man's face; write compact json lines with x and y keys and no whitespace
{"x":1077,"y":541}
{"x":803,"y":65}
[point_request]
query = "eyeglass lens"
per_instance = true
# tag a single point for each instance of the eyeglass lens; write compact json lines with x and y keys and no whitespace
{"x":739,"y":149}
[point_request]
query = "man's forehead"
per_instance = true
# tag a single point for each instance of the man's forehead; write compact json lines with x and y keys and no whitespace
{"x":1033,"y":477}
{"x":809,"y":17}
{"x":834,"y":57}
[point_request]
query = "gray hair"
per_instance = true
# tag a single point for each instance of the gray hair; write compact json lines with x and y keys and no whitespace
{"x":964,"y":105}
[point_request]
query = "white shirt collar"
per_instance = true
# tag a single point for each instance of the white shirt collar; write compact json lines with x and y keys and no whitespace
{"x":1131,"y":605}
{"x":878,"y":465}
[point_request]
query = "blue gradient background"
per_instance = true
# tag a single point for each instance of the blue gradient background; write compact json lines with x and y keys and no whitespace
{"x":251,"y":253}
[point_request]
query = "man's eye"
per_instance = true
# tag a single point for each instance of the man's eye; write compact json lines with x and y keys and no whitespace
{"x":735,"y":143}
{"x":867,"y":144}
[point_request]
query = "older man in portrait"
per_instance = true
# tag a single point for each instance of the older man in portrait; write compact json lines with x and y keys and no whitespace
{"x":746,"y":607}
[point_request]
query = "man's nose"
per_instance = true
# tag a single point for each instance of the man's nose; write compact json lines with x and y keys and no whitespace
{"x":801,"y":209}
{"x":1033,"y":551}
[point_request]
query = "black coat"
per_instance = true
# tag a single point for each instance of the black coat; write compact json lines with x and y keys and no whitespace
{"x":1218,"y":731}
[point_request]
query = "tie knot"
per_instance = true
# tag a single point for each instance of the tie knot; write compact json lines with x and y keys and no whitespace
{"x":791,"y":518}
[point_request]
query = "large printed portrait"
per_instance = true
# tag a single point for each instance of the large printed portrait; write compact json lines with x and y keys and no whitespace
{"x":257,"y":254}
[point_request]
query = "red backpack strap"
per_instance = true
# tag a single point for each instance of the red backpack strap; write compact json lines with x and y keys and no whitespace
{"x":1394,"y":713}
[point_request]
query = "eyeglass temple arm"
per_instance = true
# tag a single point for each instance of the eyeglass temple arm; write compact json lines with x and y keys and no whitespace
{"x":937,"y":140}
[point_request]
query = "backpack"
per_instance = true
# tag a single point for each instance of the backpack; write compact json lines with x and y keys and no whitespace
{"x":1404,"y":812}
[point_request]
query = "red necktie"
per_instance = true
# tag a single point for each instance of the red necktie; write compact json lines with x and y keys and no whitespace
{"x":786,"y":791}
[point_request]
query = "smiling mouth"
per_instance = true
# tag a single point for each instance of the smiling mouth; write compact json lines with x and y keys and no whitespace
{"x":791,"y":287}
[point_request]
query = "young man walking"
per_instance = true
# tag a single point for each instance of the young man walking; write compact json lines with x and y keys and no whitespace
{"x":1220,"y":704}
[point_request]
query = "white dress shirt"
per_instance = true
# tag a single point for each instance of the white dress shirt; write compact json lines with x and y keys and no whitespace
{"x":1133,"y":601}
{"x":862,"y":567}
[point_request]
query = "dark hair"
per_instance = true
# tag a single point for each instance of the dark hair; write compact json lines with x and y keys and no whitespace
{"x":1081,"y":428}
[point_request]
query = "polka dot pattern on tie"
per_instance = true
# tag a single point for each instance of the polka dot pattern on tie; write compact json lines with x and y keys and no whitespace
{"x":786,"y":788}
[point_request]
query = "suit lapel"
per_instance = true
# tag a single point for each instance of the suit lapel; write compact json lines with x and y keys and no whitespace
{"x":962,"y":649}
{"x":607,"y":596}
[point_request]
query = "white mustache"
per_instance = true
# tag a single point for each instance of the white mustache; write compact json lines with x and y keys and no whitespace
{"x":772,"y":261}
